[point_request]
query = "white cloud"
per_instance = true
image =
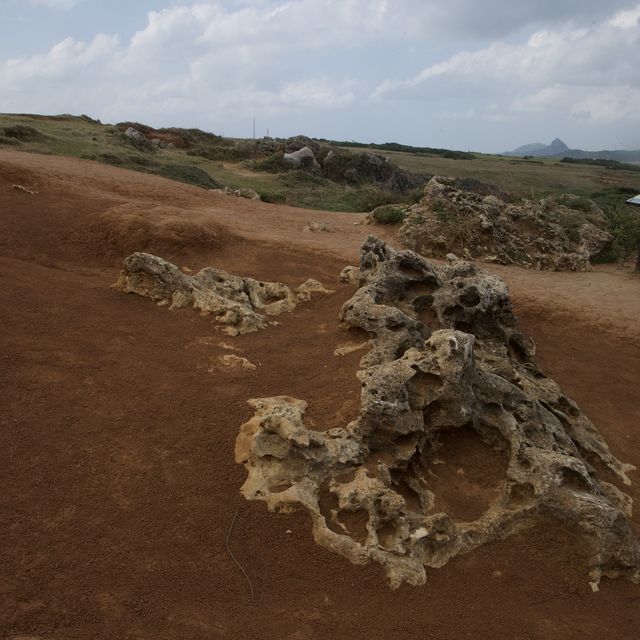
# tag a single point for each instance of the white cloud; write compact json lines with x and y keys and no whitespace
{"x":205,"y":58}
{"x":591,"y":71}
{"x":211,"y":63}
{"x":626,"y":19}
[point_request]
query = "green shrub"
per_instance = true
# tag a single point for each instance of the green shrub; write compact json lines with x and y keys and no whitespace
{"x":623,"y":222}
{"x":23,"y":133}
{"x":273,"y":164}
{"x":274,"y":197}
{"x":389,"y":214}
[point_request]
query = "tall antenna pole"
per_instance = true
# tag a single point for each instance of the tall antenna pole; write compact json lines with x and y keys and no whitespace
{"x":254,"y":127}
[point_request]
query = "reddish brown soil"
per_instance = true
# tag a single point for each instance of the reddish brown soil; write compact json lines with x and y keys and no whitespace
{"x":118,"y":485}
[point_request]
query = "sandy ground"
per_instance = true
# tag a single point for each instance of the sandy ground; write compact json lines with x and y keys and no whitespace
{"x":118,"y":485}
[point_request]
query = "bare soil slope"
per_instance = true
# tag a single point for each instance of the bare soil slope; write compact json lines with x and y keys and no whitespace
{"x":117,"y":428}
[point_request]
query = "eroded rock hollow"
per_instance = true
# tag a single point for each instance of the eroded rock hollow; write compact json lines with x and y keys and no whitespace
{"x":445,"y":357}
{"x":235,"y":302}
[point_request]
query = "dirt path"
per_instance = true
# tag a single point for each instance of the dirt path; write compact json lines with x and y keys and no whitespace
{"x":117,"y":431}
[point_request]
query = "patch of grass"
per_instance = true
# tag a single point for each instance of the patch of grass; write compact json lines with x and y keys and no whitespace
{"x":272,"y":164}
{"x":22,"y":133}
{"x":188,"y":174}
{"x":274,"y":197}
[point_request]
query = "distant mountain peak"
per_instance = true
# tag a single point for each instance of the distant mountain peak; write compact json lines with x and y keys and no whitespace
{"x":559,"y":149}
{"x":559,"y":145}
{"x":537,"y":149}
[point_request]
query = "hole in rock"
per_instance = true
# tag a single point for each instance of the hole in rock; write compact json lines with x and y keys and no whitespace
{"x":328,"y":503}
{"x":521,"y":495}
{"x":345,"y":478}
{"x":270,"y":299}
{"x":470,"y":476}
{"x":411,"y":498}
{"x":423,"y":389}
{"x":414,"y":290}
{"x":279,"y":487}
{"x":465,"y":327}
{"x":422,"y":302}
{"x":429,"y":317}
{"x":356,"y":523}
{"x":470,"y":298}
{"x":412,"y":272}
{"x":518,"y":351}
{"x":387,"y":535}
{"x":573,"y":480}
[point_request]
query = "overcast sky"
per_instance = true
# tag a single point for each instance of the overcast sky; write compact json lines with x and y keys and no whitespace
{"x":484,"y":75}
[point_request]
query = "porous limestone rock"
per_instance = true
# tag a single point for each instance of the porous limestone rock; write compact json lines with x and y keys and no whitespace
{"x":234,"y":361}
{"x":238,"y":303}
{"x":301,"y":159}
{"x":317,"y":227}
{"x":445,"y":355}
{"x":134,"y":134}
{"x":552,"y":234}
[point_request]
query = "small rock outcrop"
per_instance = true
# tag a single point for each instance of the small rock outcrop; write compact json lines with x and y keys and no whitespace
{"x":445,"y":357}
{"x":235,"y":302}
{"x":243,"y":192}
{"x":134,"y":134}
{"x":317,"y":227}
{"x":302,"y":159}
{"x":545,"y":234}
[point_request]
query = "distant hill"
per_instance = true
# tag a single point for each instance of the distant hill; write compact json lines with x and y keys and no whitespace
{"x":559,"y":149}
{"x":539,"y":150}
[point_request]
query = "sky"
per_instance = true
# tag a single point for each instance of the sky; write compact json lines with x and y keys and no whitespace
{"x":463,"y":74}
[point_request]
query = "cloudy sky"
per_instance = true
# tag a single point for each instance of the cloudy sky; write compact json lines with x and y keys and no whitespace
{"x":484,"y":75}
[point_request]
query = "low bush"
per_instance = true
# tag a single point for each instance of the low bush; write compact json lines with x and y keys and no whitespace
{"x":389,"y":214}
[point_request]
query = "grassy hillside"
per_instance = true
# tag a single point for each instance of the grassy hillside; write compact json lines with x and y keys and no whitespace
{"x":209,"y":161}
{"x":190,"y":156}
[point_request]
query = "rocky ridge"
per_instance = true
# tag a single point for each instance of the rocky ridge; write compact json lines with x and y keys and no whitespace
{"x":545,"y":234}
{"x":445,"y":355}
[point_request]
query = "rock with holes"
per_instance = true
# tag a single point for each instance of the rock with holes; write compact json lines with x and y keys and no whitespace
{"x":446,"y":358}
{"x":240,"y":304}
{"x":561,"y":233}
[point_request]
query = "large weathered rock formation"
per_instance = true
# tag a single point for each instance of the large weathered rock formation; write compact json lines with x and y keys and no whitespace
{"x":235,"y":302}
{"x":555,"y":234}
{"x":446,"y":357}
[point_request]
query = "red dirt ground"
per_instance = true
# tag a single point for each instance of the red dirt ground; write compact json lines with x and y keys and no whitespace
{"x":118,"y":485}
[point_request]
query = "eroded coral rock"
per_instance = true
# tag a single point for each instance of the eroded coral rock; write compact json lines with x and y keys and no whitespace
{"x":445,"y":356}
{"x":234,"y":361}
{"x":317,"y":227}
{"x":555,"y":234}
{"x":238,"y":303}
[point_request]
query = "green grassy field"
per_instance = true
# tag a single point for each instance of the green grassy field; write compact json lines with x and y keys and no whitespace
{"x":522,"y":178}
